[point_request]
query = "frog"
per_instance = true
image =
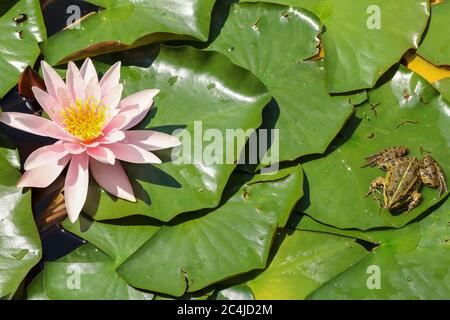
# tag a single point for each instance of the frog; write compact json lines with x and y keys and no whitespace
{"x":404,"y":178}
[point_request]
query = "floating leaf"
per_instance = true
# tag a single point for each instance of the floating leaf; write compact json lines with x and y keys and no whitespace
{"x":303,"y":262}
{"x":119,"y":239}
{"x":36,"y":289}
{"x":22,"y":28}
{"x":237,"y":292}
{"x":20,"y":246}
{"x":435,"y":46}
{"x":364,"y":38}
{"x":306,"y":223}
{"x":84,"y":274}
{"x":410,"y":263}
{"x":232,"y":239}
{"x":274,"y":42}
{"x":404,"y":111}
{"x":439,"y":77}
{"x":123,"y":24}
{"x":443,"y":86}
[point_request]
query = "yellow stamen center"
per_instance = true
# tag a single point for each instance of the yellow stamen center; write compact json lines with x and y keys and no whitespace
{"x":84,"y":119}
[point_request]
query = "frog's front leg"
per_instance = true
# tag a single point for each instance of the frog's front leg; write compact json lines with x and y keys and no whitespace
{"x":377,"y":183}
{"x":432,"y":174}
{"x":415,"y":200}
{"x":385,"y":158}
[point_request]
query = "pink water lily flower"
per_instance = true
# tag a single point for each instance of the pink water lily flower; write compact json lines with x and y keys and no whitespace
{"x":92,"y":127}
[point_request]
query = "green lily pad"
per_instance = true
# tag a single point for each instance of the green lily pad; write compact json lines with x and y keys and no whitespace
{"x":85,"y":274}
{"x":123,"y":24}
{"x":119,"y":239}
{"x":443,"y":86}
{"x":303,"y":262}
{"x":198,"y":90}
{"x":227,"y":241}
{"x":358,"y":51}
{"x":22,"y":28}
{"x":412,"y":263}
{"x":36,"y":289}
{"x":306,"y":223}
{"x":20,"y":246}
{"x":274,"y":42}
{"x":9,"y":152}
{"x":404,"y":111}
{"x":237,"y":292}
{"x":436,"y":46}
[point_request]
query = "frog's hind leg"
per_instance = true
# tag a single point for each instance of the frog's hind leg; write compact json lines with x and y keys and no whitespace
{"x":432,"y":175}
{"x":383,"y":158}
{"x":415,"y":200}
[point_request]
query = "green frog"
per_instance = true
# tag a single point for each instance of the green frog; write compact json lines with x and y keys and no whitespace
{"x":404,"y":178}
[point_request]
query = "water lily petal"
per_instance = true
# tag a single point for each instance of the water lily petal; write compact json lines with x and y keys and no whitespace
{"x":75,"y":82}
{"x":54,"y":84}
{"x":34,"y":124}
{"x":49,"y":104}
{"x":45,"y":155}
{"x":102,"y":154}
{"x":147,"y":97}
{"x":76,"y":185}
{"x":112,"y":98}
{"x":151,"y":140}
{"x":42,"y":177}
{"x":113,"y":179}
{"x":120,"y":121}
{"x":141,"y":100}
{"x":112,"y":137}
{"x":93,"y":90}
{"x":131,"y":153}
{"x":110,"y":79}
{"x":74,"y":148}
{"x":88,"y":71}
{"x":131,"y":108}
{"x":136,"y":120}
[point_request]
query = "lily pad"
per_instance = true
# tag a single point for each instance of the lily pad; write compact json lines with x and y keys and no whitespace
{"x":438,"y":76}
{"x":358,"y":49}
{"x":274,"y":42}
{"x":36,"y":289}
{"x":20,"y":246}
{"x":85,"y":274}
{"x":443,"y":86}
{"x":404,"y":111}
{"x":22,"y":28}
{"x":237,"y":292}
{"x":199,"y":91}
{"x":306,"y":223}
{"x":227,"y":241}
{"x":123,"y":24}
{"x":436,"y":46}
{"x":119,"y":239}
{"x":303,"y":262}
{"x":411,"y":263}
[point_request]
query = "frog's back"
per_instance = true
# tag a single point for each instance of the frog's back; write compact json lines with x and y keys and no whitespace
{"x":401,"y":179}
